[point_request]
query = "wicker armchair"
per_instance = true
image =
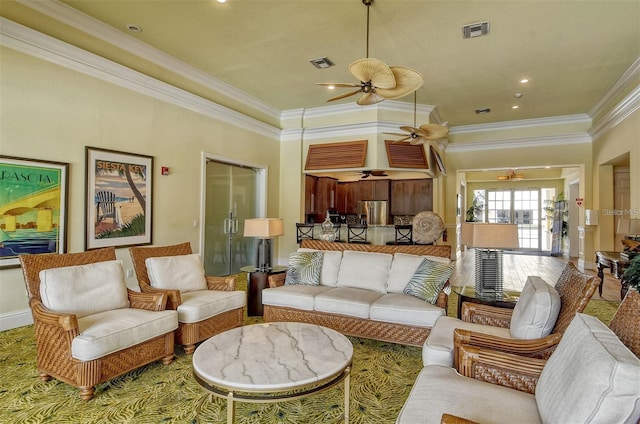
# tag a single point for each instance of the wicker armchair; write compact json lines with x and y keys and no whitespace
{"x":58,"y":333}
{"x":220,"y":290}
{"x":625,"y":321}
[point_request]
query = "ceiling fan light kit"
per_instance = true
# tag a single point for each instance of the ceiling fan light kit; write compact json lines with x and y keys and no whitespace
{"x":378,"y":81}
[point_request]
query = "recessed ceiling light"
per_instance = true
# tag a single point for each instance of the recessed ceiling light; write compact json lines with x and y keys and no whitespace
{"x":221,"y":1}
{"x":524,"y":81}
{"x":515,"y":107}
{"x":134,"y":28}
{"x":517,"y":95}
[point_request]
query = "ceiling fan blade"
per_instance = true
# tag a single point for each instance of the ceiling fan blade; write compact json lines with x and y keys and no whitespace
{"x":407,"y":81}
{"x":369,"y":99}
{"x":434,"y":131}
{"x":339,"y":84}
{"x":408,"y":129}
{"x":419,"y":140}
{"x":396,"y":134}
{"x":373,"y":70}
{"x":402,"y":140}
{"x":342,"y":96}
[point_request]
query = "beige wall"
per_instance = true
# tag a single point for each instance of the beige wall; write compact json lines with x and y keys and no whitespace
{"x":51,"y":113}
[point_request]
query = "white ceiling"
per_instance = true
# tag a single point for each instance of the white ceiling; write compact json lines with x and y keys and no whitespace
{"x":572,"y":51}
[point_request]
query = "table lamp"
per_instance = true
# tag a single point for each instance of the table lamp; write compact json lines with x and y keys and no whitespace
{"x":264,"y":230}
{"x":488,"y":241}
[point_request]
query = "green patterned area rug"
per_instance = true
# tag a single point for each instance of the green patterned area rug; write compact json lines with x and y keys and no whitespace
{"x":381,"y":378}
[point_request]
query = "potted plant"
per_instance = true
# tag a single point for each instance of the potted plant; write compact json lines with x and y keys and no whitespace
{"x":474,"y":213}
{"x":631,"y":275}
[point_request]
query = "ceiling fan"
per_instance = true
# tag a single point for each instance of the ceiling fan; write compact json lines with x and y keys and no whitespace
{"x":375,"y":173}
{"x":377,"y":80}
{"x":511,"y":175}
{"x":423,"y":134}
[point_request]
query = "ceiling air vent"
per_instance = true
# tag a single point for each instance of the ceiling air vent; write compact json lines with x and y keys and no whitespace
{"x":346,"y":154}
{"x":322,"y":63}
{"x":475,"y":30}
{"x":405,"y":155}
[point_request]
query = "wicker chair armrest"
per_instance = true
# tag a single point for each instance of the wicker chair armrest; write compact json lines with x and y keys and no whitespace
{"x":504,"y":369}
{"x":66,"y":322}
{"x":452,"y":419}
{"x":277,"y":280}
{"x":443,"y":296}
{"x":486,"y":315}
{"x":536,"y":348}
{"x":148,"y":301}
{"x":221,"y":283}
{"x":173,"y":296}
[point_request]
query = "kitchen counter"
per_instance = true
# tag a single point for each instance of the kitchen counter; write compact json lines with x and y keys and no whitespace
{"x":376,"y":234}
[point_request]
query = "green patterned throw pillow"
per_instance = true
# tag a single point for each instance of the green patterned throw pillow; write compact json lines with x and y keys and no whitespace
{"x":304,"y":268}
{"x":428,"y":280}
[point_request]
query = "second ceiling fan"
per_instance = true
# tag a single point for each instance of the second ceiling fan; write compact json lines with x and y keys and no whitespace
{"x":377,"y":80}
{"x":422,"y":134}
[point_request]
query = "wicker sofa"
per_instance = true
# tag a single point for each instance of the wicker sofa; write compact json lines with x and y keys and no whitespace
{"x":395,"y":317}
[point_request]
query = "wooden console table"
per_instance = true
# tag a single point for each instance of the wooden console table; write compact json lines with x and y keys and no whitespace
{"x":617,"y":264}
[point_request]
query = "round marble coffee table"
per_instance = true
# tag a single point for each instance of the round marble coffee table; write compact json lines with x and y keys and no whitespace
{"x":273,"y":362}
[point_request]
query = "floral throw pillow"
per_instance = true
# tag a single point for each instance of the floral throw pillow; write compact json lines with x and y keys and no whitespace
{"x":429,"y":279}
{"x":304,"y":268}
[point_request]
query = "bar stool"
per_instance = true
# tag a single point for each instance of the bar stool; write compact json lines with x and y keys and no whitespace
{"x":303,"y":231}
{"x":403,"y":235}
{"x":357,"y":233}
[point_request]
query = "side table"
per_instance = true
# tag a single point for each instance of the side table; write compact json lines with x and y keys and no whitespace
{"x":617,"y":264}
{"x":468,"y":294}
{"x":258,"y":280}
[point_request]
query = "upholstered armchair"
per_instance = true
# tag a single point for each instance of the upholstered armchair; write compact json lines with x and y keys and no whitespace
{"x":89,"y":327}
{"x":533,"y":328}
{"x":206,"y":305}
{"x":590,"y":377}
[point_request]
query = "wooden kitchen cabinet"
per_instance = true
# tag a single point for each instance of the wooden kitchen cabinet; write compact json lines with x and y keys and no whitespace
{"x":374,"y":190}
{"x":348,"y":195}
{"x":325,"y":197}
{"x":408,"y":197}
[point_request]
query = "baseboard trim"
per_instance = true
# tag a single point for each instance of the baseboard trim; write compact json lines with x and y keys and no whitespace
{"x":15,"y":319}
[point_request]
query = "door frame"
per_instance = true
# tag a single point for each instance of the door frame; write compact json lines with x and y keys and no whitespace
{"x":262,"y":180}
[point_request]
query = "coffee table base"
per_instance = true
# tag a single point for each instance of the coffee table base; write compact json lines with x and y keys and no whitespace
{"x":232,"y":396}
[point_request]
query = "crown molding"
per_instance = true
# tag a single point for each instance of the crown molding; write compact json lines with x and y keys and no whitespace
{"x":36,"y":44}
{"x":353,"y":107}
{"x":522,"y":123}
{"x":85,"y":23}
{"x":627,"y":78}
{"x":514,"y":143}
{"x":619,"y":113}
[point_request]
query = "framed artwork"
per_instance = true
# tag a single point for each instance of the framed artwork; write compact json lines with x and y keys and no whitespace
{"x":33,"y":208}
{"x":118,"y":204}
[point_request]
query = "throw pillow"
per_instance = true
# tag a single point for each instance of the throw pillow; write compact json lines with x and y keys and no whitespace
{"x":304,"y":268}
{"x":181,"y":272}
{"x":537,"y":310}
{"x":429,"y":279}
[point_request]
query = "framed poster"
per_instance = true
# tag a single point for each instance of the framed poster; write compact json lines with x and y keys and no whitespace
{"x":118,"y":204}
{"x":33,"y":208}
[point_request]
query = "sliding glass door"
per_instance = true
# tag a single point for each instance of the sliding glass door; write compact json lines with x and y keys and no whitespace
{"x":230,"y":198}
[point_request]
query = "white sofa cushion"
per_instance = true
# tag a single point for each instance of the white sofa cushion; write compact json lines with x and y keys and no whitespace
{"x":346,"y":301}
{"x":537,"y":309}
{"x":429,"y":279}
{"x":110,"y":331}
{"x":405,"y":309}
{"x":403,"y":267}
{"x":298,"y":297}
{"x":590,"y":377}
{"x":365,"y":270}
{"x":199,"y":305}
{"x":330,"y":266}
{"x":181,"y":272}
{"x":439,"y":390}
{"x":438,"y":348}
{"x":304,"y":268}
{"x":84,"y":289}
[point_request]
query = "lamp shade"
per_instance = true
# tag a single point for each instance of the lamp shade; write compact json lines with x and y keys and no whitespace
{"x":634,"y":226}
{"x":490,"y":236}
{"x":263,"y":227}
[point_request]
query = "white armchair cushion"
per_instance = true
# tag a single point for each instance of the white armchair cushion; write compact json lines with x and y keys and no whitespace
{"x":182,"y":272}
{"x":365,"y":270}
{"x":196,"y":306}
{"x":590,"y":377}
{"x":110,"y":331}
{"x":402,"y":269}
{"x":84,"y":289}
{"x":330,"y":266}
{"x":536,"y":312}
{"x":438,"y":348}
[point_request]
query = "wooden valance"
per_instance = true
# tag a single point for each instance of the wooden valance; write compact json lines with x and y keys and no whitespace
{"x":405,"y":155}
{"x":347,"y":154}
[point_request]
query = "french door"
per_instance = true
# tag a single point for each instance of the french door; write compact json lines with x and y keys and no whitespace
{"x":230,"y":196}
{"x":522,"y":207}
